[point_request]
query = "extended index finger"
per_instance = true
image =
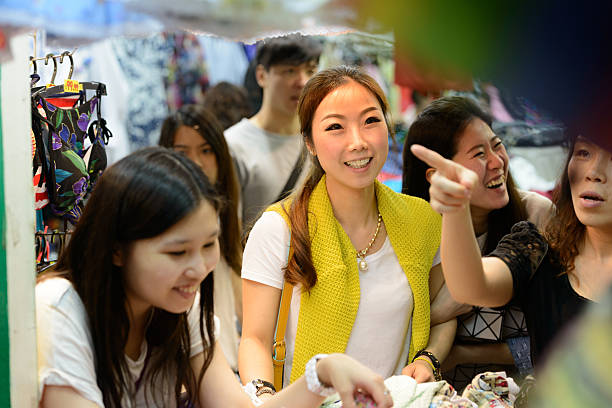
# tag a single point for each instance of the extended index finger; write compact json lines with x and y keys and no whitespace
{"x":434,"y":159}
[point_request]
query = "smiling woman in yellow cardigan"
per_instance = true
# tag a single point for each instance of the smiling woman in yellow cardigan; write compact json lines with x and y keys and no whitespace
{"x":362,"y":255}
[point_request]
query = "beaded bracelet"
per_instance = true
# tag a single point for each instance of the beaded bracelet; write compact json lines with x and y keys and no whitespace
{"x":312,"y":378}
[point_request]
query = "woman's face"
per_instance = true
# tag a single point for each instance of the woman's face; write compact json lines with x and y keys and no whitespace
{"x":349,"y":136}
{"x":589,"y":169}
{"x":166,"y":271}
{"x":189,"y":142}
{"x":481,"y":151}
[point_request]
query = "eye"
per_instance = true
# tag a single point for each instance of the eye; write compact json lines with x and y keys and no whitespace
{"x":479,"y":154}
{"x":498,"y":145}
{"x":581,"y":153}
{"x":333,"y":126}
{"x":177,"y":253}
{"x":207,"y":150}
{"x":372,"y":119}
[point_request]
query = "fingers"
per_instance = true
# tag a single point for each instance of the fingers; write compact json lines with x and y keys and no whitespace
{"x":378,"y":392}
{"x":346,"y":393}
{"x":450,"y":188}
{"x":408,"y":370}
{"x":430,"y":157}
{"x":447,"y":168}
{"x":423,"y":375}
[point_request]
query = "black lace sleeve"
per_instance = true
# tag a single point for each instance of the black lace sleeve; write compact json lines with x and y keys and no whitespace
{"x":523,"y":249}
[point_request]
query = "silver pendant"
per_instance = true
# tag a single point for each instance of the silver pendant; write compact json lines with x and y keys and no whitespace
{"x":363,"y":265}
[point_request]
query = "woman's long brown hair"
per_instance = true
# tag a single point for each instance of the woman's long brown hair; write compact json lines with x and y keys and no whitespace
{"x":565,"y":232}
{"x":300,"y":268}
{"x":139,"y":197}
{"x":203,"y":122}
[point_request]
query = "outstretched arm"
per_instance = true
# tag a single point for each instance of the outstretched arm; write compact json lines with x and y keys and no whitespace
{"x":470,"y":278}
{"x":220,"y":388}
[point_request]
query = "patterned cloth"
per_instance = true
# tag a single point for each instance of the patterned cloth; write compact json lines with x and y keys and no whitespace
{"x":328,"y":311}
{"x":143,"y":61}
{"x":492,"y":390}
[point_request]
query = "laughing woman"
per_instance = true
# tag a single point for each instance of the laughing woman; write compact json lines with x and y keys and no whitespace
{"x":552,"y":276}
{"x":456,"y":128}
{"x":361,"y":254}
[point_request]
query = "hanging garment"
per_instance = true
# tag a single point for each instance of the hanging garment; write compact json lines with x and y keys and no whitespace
{"x":71,"y":124}
{"x":62,"y":167}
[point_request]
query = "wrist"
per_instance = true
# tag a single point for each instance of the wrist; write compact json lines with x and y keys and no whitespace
{"x":316,"y":376}
{"x":263,"y":387}
{"x":431,"y":360}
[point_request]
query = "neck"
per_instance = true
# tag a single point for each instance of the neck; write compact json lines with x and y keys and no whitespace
{"x":138,"y":317}
{"x":597,"y":244}
{"x":480,"y":220}
{"x":276,"y":122}
{"x":353,"y":208}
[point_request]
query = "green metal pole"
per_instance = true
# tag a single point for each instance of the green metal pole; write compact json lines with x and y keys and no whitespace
{"x":5,"y":362}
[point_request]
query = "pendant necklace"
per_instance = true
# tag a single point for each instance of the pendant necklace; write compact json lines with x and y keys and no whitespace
{"x":363,"y":265}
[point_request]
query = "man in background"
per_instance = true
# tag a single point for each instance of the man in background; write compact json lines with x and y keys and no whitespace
{"x":268,"y":147}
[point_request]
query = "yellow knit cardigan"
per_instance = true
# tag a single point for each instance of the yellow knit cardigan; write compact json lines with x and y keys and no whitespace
{"x":328,"y":312}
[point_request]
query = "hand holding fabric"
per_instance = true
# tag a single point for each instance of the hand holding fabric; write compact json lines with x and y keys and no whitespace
{"x":420,"y":370}
{"x":349,"y":377}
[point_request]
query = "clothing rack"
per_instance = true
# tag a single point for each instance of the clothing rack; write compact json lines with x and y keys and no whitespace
{"x":48,"y":248}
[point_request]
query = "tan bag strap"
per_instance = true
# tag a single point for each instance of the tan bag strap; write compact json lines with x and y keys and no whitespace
{"x":278,"y":349}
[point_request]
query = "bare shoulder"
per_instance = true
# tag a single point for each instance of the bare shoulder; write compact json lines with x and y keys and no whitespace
{"x":539,"y":208}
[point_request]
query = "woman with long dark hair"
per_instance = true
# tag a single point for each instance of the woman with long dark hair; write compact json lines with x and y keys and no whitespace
{"x":360,"y":257}
{"x":126,"y":318}
{"x":194,"y":132}
{"x":552,"y":275}
{"x":458,"y":129}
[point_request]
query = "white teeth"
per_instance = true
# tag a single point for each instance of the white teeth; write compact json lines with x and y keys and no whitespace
{"x":358,"y":164}
{"x":188,"y":289}
{"x":496,"y":182}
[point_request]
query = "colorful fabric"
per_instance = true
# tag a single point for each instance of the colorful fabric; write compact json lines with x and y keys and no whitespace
{"x":328,"y":311}
{"x":71,"y":124}
{"x":187,"y":78}
{"x":64,"y":172}
{"x":492,"y":390}
{"x":447,"y":397}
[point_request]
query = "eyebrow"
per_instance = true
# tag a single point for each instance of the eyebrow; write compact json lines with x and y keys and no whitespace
{"x":200,"y":145}
{"x":482,"y":145}
{"x":337,"y":115}
{"x":180,"y":241}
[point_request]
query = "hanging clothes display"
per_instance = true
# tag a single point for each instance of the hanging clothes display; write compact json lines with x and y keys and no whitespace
{"x":69,"y":136}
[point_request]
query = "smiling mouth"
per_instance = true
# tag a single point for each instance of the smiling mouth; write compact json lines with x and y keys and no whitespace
{"x":187,"y":289}
{"x":496,"y":183}
{"x":358,"y":164}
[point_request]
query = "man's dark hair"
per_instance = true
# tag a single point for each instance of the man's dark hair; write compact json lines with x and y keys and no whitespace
{"x":293,"y":49}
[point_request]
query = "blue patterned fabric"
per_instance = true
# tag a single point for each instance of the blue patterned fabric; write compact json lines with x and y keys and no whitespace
{"x":144,"y":61}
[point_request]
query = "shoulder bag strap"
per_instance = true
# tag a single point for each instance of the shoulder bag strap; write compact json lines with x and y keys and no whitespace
{"x":279,"y":347}
{"x":293,"y":177}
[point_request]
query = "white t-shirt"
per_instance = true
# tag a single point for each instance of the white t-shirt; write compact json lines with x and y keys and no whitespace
{"x":264,"y":161}
{"x":65,"y":347}
{"x":380,"y":338}
{"x":225,"y":310}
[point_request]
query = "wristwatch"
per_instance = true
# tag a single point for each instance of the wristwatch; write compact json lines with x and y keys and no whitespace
{"x":263,"y":387}
{"x":434,"y":362}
